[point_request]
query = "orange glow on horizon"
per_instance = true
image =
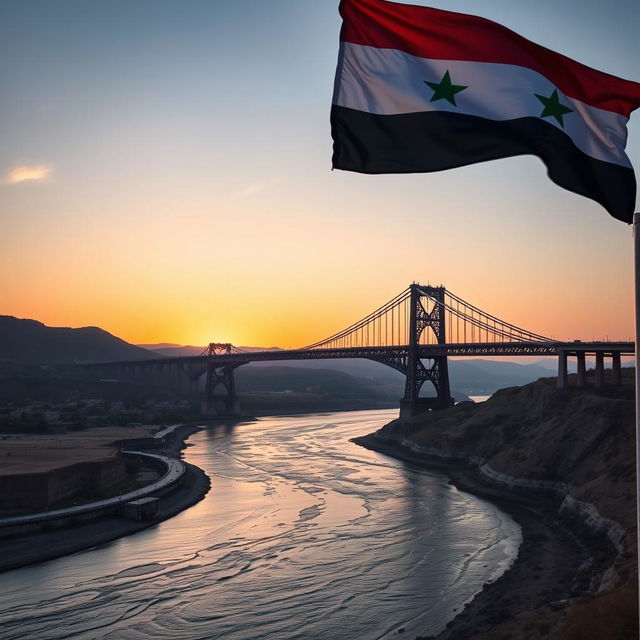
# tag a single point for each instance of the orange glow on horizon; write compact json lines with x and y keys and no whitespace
{"x":296,"y":320}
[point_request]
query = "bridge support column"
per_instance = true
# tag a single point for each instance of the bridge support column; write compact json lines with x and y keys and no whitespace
{"x":562,"y":369}
{"x":582,"y":368}
{"x":599,"y":370}
{"x":419,"y":406}
{"x":617,"y":368}
{"x":220,"y":397}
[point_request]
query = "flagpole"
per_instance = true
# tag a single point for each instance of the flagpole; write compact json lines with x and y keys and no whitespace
{"x":636,"y":270}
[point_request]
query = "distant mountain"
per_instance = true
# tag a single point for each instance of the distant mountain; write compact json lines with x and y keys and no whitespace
{"x":483,"y":377}
{"x":29,"y":341}
{"x":551,"y":363}
{"x":168,"y":350}
{"x":469,"y":377}
{"x":159,"y":345}
{"x":279,"y":379}
{"x":548,"y":362}
{"x":359,"y":368}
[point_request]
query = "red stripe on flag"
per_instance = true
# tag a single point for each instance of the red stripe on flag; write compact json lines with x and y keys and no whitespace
{"x":444,"y":35}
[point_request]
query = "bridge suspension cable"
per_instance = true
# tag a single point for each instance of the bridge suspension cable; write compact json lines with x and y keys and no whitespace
{"x":389,"y":325}
{"x":484,"y":322}
{"x":369,"y":330}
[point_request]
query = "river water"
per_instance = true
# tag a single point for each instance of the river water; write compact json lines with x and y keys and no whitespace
{"x":304,"y":535}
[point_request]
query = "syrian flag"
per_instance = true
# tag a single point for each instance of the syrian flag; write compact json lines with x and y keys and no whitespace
{"x":420,"y":89}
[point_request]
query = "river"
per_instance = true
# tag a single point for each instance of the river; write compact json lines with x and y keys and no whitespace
{"x":304,"y":535}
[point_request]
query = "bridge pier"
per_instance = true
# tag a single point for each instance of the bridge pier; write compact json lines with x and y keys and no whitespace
{"x":419,"y":406}
{"x":582,"y":368}
{"x":616,"y":363}
{"x":600,"y":374}
{"x":562,"y":369}
{"x":220,"y":398}
{"x":599,"y":370}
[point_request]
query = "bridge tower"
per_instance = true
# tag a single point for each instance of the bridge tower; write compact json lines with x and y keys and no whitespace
{"x":220,"y":397}
{"x":417,"y":373}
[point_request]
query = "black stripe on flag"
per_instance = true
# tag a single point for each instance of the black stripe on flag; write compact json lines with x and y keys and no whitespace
{"x":437,"y":140}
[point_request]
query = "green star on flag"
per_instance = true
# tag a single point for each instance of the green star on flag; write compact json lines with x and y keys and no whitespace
{"x":444,"y":90}
{"x":553,"y":108}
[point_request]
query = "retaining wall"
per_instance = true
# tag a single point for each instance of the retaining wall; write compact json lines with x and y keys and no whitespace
{"x":49,"y":487}
{"x":174,"y":471}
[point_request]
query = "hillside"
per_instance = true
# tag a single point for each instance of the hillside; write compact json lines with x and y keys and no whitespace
{"x":482,"y":377}
{"x":579,"y":439}
{"x":574,"y":436}
{"x":282,"y":379}
{"x":30,"y":342}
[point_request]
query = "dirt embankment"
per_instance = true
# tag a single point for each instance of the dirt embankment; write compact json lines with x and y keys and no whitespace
{"x":579,"y":439}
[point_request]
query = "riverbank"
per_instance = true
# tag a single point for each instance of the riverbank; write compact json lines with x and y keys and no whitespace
{"x":561,"y":464}
{"x":553,"y":567}
{"x":46,"y":545}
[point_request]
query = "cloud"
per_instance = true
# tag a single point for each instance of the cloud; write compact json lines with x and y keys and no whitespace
{"x":257,"y":187}
{"x":251,"y":189}
{"x":26,"y":172}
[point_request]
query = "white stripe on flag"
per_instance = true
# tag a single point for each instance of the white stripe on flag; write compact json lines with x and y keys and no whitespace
{"x":391,"y":82}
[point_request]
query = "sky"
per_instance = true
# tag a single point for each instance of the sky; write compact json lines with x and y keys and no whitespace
{"x":165,"y":174}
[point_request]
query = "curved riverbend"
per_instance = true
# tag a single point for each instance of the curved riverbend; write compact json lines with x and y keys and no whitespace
{"x":303,"y":535}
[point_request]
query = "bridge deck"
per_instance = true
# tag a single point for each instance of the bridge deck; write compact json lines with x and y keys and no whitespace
{"x":425,"y":351}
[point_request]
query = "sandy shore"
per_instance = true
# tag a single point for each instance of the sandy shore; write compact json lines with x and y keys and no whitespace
{"x":554,"y":564}
{"x":47,"y":545}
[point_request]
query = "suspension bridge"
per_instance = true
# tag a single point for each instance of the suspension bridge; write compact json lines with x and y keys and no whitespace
{"x":414,"y":333}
